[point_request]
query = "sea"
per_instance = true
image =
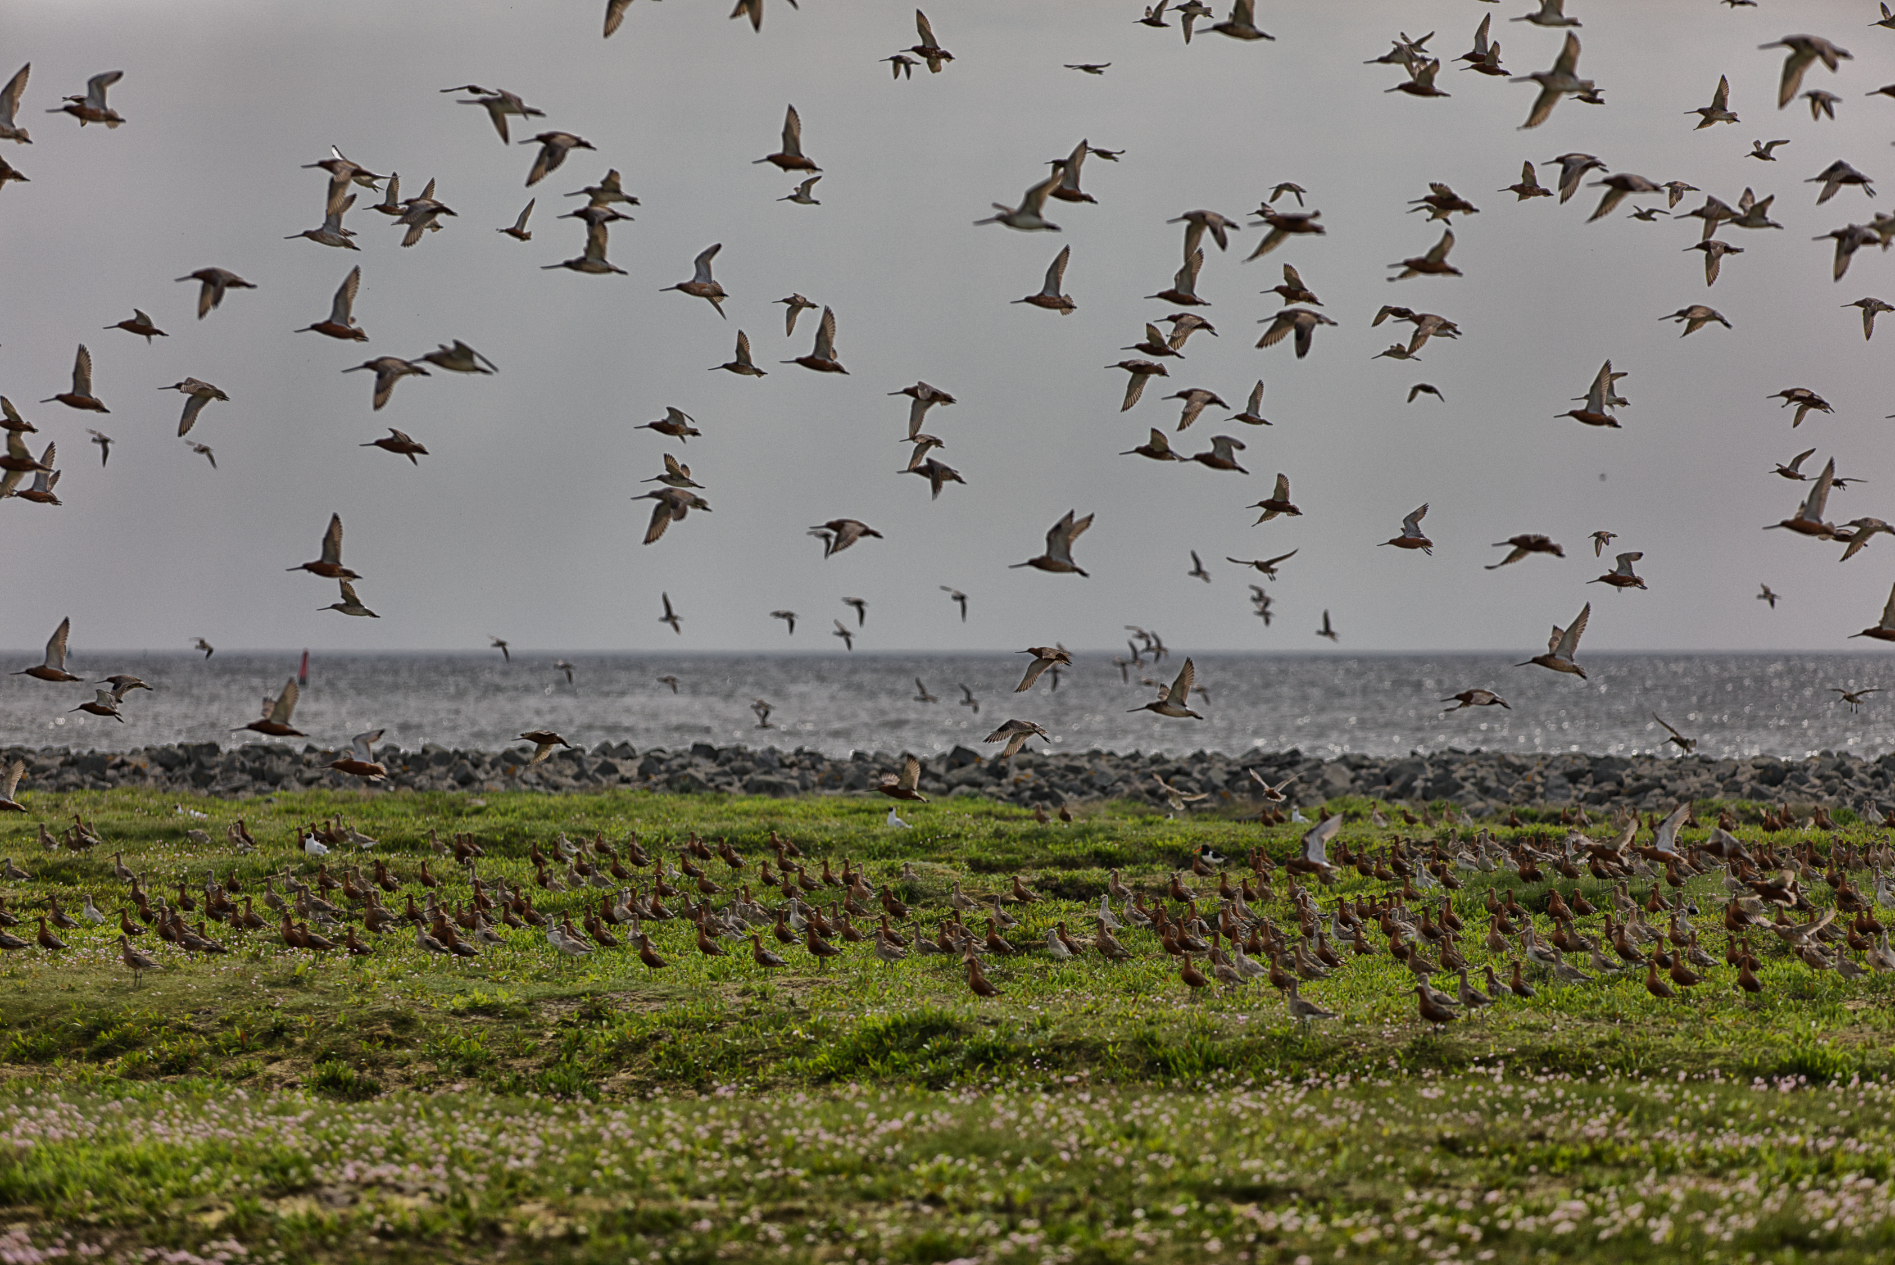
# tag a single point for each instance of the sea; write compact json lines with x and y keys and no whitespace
{"x":1732,"y":705}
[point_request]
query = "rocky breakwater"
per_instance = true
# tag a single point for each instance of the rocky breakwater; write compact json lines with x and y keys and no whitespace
{"x":1478,"y":781}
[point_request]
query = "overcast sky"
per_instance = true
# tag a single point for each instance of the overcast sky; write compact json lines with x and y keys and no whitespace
{"x":520,"y":523}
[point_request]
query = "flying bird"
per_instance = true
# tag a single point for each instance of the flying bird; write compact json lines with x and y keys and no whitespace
{"x":1561,"y":80}
{"x":213,"y":284}
{"x":1562,"y":646}
{"x":329,"y":564}
{"x":1044,"y":657}
{"x":1476,"y":698}
{"x":91,"y":108}
{"x":341,"y":321}
{"x":53,"y":666}
{"x":398,"y":443}
{"x":1412,"y":536}
{"x":702,"y":285}
{"x":275,"y":721}
{"x":1622,"y":576}
{"x":673,"y":618}
{"x":196,"y":395}
{"x":554,"y":146}
{"x":790,"y":157}
{"x":822,"y":357}
{"x":1277,"y":503}
{"x":350,"y":604}
{"x":958,"y":598}
{"x":840,"y":533}
{"x":80,"y":397}
{"x":1677,"y":739}
{"x":388,"y":371}
{"x":1016,"y":734}
{"x":1058,"y":557}
{"x":1328,"y":630}
{"x":1172,"y":700}
{"x":1804,"y":50}
{"x":1523,"y":545}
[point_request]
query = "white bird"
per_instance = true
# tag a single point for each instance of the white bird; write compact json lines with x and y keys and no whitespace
{"x":313,"y":847}
{"x":895,"y":821}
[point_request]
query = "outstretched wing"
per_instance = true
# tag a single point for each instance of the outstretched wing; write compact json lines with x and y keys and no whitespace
{"x":56,"y":648}
{"x":285,"y":704}
{"x":363,"y":745}
{"x":332,"y":541}
{"x":1568,"y":644}
{"x":1180,"y":692}
{"x":1316,"y":842}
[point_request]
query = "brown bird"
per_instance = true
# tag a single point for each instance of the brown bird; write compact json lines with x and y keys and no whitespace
{"x":53,"y":668}
{"x":329,"y":565}
{"x":905,"y":786}
{"x":543,"y":740}
{"x":1522,"y":546}
{"x":80,"y":397}
{"x":977,"y":981}
{"x":790,"y":157}
{"x":213,"y":284}
{"x":141,"y":325}
{"x":1432,"y":1012}
{"x":138,"y":962}
{"x":398,"y":443}
{"x":275,"y":722}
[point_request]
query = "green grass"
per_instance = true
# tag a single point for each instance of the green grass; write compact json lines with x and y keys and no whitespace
{"x":402,"y":1037}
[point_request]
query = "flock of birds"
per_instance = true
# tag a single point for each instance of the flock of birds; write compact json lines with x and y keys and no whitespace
{"x":1290,"y":932}
{"x":1297,"y":322}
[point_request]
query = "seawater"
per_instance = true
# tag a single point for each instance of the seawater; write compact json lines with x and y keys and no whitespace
{"x":1324,"y":704}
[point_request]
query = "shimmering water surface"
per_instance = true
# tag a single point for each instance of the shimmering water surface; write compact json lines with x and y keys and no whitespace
{"x":1323,"y":704}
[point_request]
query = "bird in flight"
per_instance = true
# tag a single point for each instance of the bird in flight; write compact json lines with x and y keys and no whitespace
{"x":1412,"y":536}
{"x":861,"y":610}
{"x":1172,"y":700}
{"x":1058,"y":557}
{"x":543,"y":740}
{"x":846,"y":633}
{"x":275,"y":721}
{"x":1854,"y":698}
{"x":958,"y":598}
{"x":1197,"y":571}
{"x":53,"y":666}
{"x":500,"y":644}
{"x":1044,"y":657}
{"x":1562,"y":646}
{"x":1016,"y":734}
{"x":788,"y":617}
{"x":1476,"y":698}
{"x":1767,"y":596}
{"x":1677,"y":739}
{"x":969,"y":701}
{"x":1622,"y":577}
{"x":1522,"y":546}
{"x":921,"y":693}
{"x":671,"y":617}
{"x":200,"y":644}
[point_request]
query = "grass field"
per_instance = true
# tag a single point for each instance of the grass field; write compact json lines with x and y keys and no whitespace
{"x":746,"y":1112}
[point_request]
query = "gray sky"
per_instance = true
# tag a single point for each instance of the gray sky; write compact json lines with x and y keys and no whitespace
{"x":520,"y":523}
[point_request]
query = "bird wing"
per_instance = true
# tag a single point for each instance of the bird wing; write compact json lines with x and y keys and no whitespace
{"x":13,"y":778}
{"x":193,"y":405}
{"x":285,"y":704}
{"x":825,"y":337}
{"x":702,"y":264}
{"x":1033,"y":671}
{"x":1056,"y":274}
{"x":1567,"y":63}
{"x":1625,"y":561}
{"x":348,"y":593}
{"x":1180,"y":692}
{"x":1033,"y":201}
{"x":362,"y":745}
{"x":1661,"y":720}
{"x":96,"y":86}
{"x":1441,"y":248}
{"x":924,"y":30}
{"x":1721,"y":97}
{"x":793,"y":133}
{"x":82,"y":372}
{"x":1888,"y":611}
{"x":56,"y":648}
{"x":344,"y":302}
{"x":1316,"y":842}
{"x":1819,"y":495}
{"x":743,"y":345}
{"x":1801,"y":457}
{"x":660,"y":519}
{"x":332,"y":541}
{"x":1282,"y":492}
{"x":910,"y":774}
{"x":1568,"y":643}
{"x":10,"y":99}
{"x":1271,"y":562}
{"x":1411,"y":526}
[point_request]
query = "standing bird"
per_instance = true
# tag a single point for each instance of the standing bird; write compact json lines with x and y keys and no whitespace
{"x":1058,"y":557}
{"x":1562,"y":646}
